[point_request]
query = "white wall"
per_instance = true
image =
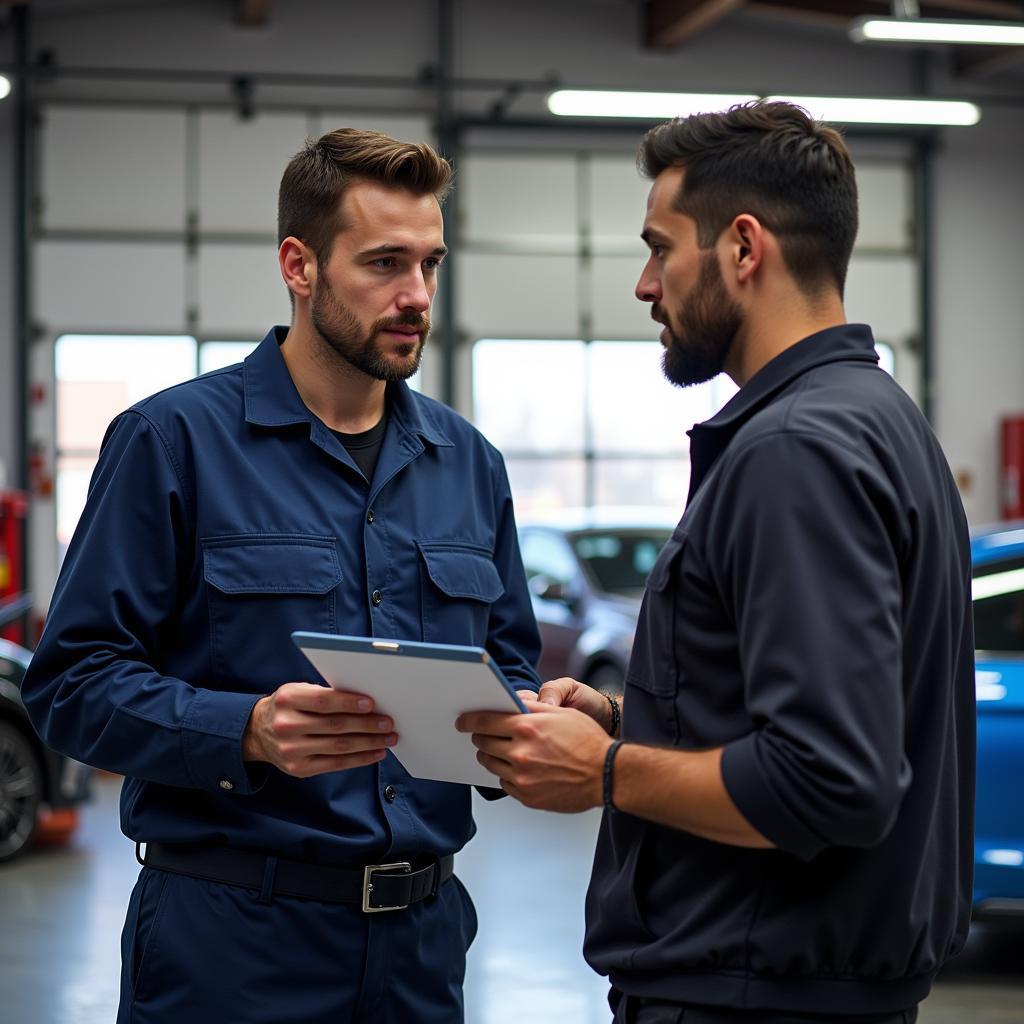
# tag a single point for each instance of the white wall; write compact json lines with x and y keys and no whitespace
{"x":979,"y":298}
{"x":978,"y":301}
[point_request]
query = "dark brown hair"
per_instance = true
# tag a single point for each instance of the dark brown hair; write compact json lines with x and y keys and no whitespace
{"x":315,"y":180}
{"x":773,"y":161}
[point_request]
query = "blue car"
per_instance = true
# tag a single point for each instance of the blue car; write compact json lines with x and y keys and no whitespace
{"x":998,"y":591}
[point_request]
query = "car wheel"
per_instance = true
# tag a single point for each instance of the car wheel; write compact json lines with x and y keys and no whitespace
{"x":606,"y":677}
{"x":21,"y":789}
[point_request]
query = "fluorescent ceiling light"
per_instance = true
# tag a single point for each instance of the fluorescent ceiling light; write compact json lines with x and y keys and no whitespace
{"x":5,"y":87}
{"x":846,"y":110}
{"x":930,"y":30}
{"x":852,"y":110}
{"x":655,"y":105}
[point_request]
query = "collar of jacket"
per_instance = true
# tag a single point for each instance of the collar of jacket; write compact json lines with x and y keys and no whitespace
{"x":834,"y":344}
{"x":271,"y":399}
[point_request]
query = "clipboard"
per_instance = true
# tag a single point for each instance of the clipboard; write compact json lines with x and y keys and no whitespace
{"x":424,"y":687}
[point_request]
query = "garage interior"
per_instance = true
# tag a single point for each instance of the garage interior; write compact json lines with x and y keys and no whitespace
{"x":142,"y":144}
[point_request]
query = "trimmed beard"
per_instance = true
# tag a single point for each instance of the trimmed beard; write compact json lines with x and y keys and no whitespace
{"x":710,"y":320}
{"x":342,"y":332}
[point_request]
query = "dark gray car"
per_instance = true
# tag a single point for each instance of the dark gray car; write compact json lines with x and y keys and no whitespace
{"x":587,"y":572}
{"x":32,"y":776}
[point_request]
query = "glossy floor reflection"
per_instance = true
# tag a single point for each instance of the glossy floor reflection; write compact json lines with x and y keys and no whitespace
{"x":528,"y":873}
{"x":61,"y":913}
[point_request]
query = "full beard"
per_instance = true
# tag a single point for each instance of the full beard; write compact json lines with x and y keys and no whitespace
{"x":344,"y":335}
{"x":711,"y":320}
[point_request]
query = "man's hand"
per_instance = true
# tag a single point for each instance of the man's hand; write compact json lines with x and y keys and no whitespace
{"x":551,"y":759}
{"x":570,"y":693}
{"x":305,"y":729}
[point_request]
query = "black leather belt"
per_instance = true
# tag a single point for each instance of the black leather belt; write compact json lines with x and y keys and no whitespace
{"x":375,"y":887}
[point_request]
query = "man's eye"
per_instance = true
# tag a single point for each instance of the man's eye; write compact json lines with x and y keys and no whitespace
{"x":431,"y":263}
{"x":385,"y":262}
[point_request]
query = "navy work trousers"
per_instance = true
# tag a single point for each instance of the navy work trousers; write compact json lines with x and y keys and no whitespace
{"x":208,"y":953}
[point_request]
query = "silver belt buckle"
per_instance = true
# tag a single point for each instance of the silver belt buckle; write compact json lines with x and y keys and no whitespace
{"x":400,"y":867}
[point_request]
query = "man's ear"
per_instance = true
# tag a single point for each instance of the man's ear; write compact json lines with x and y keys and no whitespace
{"x":298,"y":266}
{"x":746,"y":246}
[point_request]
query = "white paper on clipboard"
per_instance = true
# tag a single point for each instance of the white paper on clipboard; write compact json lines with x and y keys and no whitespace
{"x":424,"y":688}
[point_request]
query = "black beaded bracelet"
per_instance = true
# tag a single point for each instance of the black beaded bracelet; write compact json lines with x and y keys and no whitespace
{"x":609,"y":759}
{"x":613,"y":702}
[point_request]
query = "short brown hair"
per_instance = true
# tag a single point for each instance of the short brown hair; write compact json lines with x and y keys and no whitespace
{"x":315,"y":180}
{"x":771,"y":160}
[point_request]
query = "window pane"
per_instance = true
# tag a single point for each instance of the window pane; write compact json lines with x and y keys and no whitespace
{"x":886,"y":357}
{"x":722,"y":389}
{"x":661,"y":483}
{"x":214,"y":355}
{"x":85,"y":409}
{"x":99,"y":376}
{"x":73,"y":475}
{"x":634,"y":408}
{"x":544,"y":485}
{"x":528,"y":395}
{"x":531,"y":396}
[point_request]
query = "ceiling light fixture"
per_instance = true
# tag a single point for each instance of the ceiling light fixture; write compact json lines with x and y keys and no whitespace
{"x":641,"y":105}
{"x":869,"y":29}
{"x":870,"y":110}
{"x":838,"y":109}
{"x":5,"y":87}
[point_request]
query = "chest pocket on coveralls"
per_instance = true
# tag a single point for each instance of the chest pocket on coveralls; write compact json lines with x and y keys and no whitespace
{"x":260,"y":589}
{"x":458,"y":585}
{"x":655,"y":670}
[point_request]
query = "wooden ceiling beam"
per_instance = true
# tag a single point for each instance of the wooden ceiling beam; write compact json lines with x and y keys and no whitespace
{"x":839,"y":11}
{"x":1002,"y":9}
{"x":668,"y":23}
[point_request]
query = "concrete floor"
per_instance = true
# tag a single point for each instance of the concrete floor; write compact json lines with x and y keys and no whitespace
{"x":61,"y":913}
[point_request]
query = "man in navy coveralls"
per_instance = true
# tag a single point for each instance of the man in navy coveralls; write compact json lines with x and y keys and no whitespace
{"x":788,"y":825}
{"x":307,"y":488}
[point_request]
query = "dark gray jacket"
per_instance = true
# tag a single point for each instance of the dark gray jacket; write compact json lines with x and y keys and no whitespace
{"x":811,"y":614}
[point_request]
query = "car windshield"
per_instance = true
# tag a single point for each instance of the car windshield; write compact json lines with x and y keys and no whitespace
{"x":11,"y":670}
{"x":618,"y":561}
{"x":998,"y":591}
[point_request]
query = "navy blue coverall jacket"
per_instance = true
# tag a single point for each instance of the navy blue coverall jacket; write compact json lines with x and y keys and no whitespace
{"x":222,"y":516}
{"x":811,"y":615}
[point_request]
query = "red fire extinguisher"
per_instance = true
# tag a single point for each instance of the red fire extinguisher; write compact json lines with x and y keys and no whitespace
{"x":1011,"y":463}
{"x":13,"y":507}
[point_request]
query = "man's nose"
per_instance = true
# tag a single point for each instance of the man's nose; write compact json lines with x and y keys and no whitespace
{"x":648,"y":288}
{"x":416,"y":295}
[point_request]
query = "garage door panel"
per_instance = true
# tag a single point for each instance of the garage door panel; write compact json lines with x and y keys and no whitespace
{"x":115,"y":286}
{"x":112,"y":169}
{"x":240,"y":291}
